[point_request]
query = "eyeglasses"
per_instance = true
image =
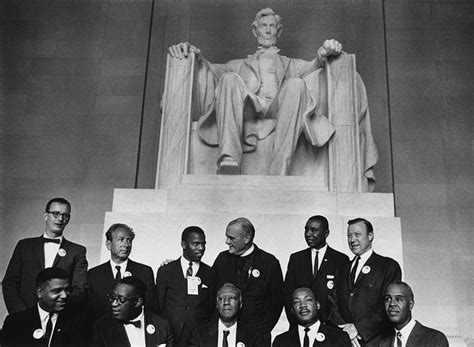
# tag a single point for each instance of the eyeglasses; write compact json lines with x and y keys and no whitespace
{"x":120,"y":299}
{"x":57,"y":214}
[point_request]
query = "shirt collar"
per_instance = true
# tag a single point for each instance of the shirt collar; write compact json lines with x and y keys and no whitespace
{"x":60,"y":238}
{"x":269,"y":50}
{"x":364,"y":257}
{"x":322,"y":250}
{"x":43,"y":314}
{"x":248,"y":251}
{"x":123,"y":266}
{"x":311,"y":333}
{"x":406,"y":330}
{"x":232,"y":328}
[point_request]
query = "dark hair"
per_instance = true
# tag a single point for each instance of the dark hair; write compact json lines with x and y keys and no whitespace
{"x":405,"y":285}
{"x":323,"y":222}
{"x":368,"y":225}
{"x":305,"y":288}
{"x":189,"y":230}
{"x":59,"y":201}
{"x":113,"y":227}
{"x":50,"y":273}
{"x":246,"y":226}
{"x":138,"y":285}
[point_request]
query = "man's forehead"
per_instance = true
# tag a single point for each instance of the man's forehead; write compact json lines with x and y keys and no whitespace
{"x":396,"y":290}
{"x":123,"y":289}
{"x":122,"y":232}
{"x":267,"y":19}
{"x":302,"y":294}
{"x":58,"y":206}
{"x":57,"y":283}
{"x":227,"y":290}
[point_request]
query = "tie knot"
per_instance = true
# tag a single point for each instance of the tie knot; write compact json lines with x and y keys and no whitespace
{"x":306,"y":330}
{"x":46,"y":240}
{"x":226,"y":333}
{"x":190,"y":264}
{"x":399,"y":334}
{"x":117,"y":267}
{"x":135,"y":323}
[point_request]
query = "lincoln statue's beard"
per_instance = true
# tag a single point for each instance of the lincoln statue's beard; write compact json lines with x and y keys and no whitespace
{"x":267,"y":41}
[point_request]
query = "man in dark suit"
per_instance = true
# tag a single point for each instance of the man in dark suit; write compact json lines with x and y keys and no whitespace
{"x":357,"y":299}
{"x":185,"y":287}
{"x":130,"y":323}
{"x":47,"y":323}
{"x":309,"y":331}
{"x":314,"y":267}
{"x":399,"y":301}
{"x":255,"y":272}
{"x":102,"y":278}
{"x":32,"y":255}
{"x":225,"y":331}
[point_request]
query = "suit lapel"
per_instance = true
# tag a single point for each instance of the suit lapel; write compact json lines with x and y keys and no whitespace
{"x":414,"y":335}
{"x":362,"y":275}
{"x":64,"y":245}
{"x":150,"y":339}
{"x":119,"y":333}
{"x":307,"y":265}
{"x":38,"y":252}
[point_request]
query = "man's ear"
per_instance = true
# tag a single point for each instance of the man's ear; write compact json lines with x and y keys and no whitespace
{"x":279,"y":31}
{"x":254,"y":31}
{"x":411,"y":304}
{"x":318,"y":305}
{"x":139,"y":302}
{"x":108,"y":244}
{"x":45,"y":216}
{"x":183,"y":245}
{"x":38,"y":292}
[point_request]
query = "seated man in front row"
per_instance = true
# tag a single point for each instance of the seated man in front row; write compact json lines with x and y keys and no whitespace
{"x":226,"y":331}
{"x":309,"y":331}
{"x":399,"y":301}
{"x":47,"y":323}
{"x":131,"y":324}
{"x":266,"y":85}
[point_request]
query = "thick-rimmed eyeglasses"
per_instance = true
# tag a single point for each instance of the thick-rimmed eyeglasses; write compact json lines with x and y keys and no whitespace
{"x":120,"y":299}
{"x":57,"y":214}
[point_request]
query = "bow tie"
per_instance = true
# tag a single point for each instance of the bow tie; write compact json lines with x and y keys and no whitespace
{"x":136,"y":323}
{"x":46,"y":240}
{"x":270,"y":50}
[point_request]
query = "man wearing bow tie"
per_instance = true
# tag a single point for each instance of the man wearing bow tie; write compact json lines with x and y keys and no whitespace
{"x":185,"y":287}
{"x":314,"y":267}
{"x":267,"y":86}
{"x":32,"y":255}
{"x":48,"y":323}
{"x":130,"y":322}
{"x":102,"y":278}
{"x":309,"y":331}
{"x":358,"y":295}
{"x":255,"y":272}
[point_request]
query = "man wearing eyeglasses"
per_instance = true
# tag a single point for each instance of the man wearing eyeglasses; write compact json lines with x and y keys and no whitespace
{"x":130,"y":322}
{"x":51,"y":249}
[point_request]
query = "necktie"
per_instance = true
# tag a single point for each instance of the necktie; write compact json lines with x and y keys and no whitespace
{"x":49,"y":328}
{"x":135,"y":323}
{"x":306,"y":337}
{"x":46,"y":240}
{"x":399,"y":339}
{"x":189,"y":271}
{"x":316,"y":263}
{"x":225,"y":343}
{"x":354,"y":270}
{"x":118,"y":275}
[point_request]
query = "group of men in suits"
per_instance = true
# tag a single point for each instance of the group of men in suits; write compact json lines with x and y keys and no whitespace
{"x":328,"y":299}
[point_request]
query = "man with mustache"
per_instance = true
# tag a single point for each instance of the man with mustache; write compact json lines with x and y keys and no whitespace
{"x":185,"y":287}
{"x":309,"y":331}
{"x":130,"y":323}
{"x":103,"y":278}
{"x":47,"y":323}
{"x":51,"y":249}
{"x":314,"y":267}
{"x":265,"y":86}
{"x":399,"y":302}
{"x":358,"y":295}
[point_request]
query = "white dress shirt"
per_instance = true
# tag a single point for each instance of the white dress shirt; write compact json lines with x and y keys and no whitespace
{"x":313,"y":331}
{"x":231,"y":338}
{"x":405,"y":331}
{"x":50,"y":250}
{"x":136,"y":335}
{"x":185,"y":266}
{"x":123,"y":267}
{"x":321,"y":254}
{"x":363,"y":259}
{"x":248,"y":251}
{"x":44,"y":316}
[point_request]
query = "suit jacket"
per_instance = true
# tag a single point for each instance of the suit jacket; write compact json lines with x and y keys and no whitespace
{"x":420,"y":336}
{"x":262,"y":292}
{"x":110,"y":332}
{"x":300,"y":274}
{"x":184,"y":311}
{"x":332,"y":337}
{"x":19,"y":327}
{"x":362,"y":303}
{"x":19,"y":289}
{"x":206,"y":336}
{"x":101,"y":281}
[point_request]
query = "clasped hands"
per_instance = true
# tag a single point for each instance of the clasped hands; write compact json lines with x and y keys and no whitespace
{"x":351,"y":330}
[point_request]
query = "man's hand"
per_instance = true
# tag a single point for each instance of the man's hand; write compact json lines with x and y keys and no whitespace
{"x":329,"y":48}
{"x":355,"y":342}
{"x":181,"y":50}
{"x":350,"y":329}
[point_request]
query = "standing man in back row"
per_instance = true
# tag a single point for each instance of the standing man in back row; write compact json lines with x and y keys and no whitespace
{"x":314,"y":267}
{"x":51,"y":249}
{"x":185,"y":287}
{"x":358,"y":295}
{"x":103,"y":278}
{"x":256,"y":273}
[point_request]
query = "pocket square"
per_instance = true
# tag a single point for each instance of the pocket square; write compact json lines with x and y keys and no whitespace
{"x":204,"y":286}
